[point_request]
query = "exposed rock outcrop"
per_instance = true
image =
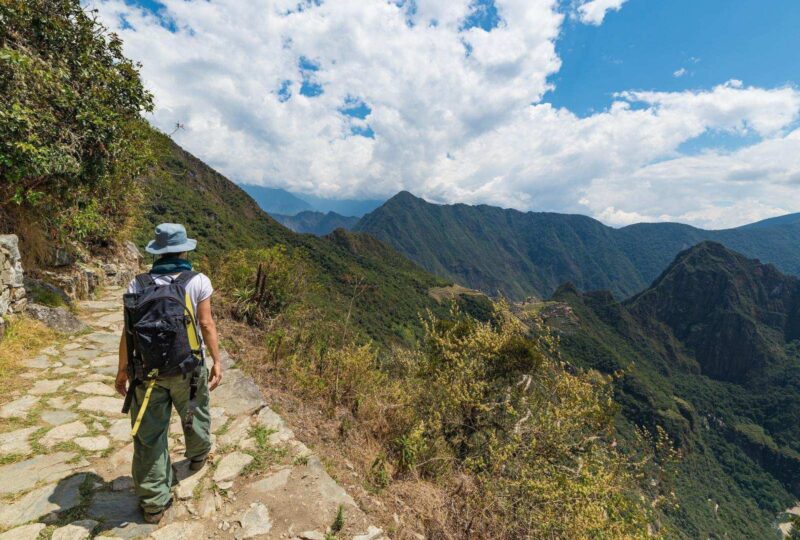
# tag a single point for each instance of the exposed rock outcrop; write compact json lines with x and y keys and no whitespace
{"x":12,"y":291}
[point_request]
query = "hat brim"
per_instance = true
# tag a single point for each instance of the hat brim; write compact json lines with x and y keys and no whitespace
{"x":153,"y":248}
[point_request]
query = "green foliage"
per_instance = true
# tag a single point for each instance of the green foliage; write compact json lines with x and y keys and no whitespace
{"x":71,"y":138}
{"x":520,"y":254}
{"x":338,"y":521}
{"x":490,"y":400}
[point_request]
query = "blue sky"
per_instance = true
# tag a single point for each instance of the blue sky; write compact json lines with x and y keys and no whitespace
{"x":645,"y":43}
{"x":625,"y":110}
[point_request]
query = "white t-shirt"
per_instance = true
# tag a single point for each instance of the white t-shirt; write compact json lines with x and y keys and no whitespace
{"x":199,"y":289}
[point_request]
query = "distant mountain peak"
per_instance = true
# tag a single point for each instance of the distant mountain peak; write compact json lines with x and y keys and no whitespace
{"x":733,"y":312}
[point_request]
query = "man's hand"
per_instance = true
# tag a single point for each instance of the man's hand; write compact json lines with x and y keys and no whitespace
{"x":121,"y":384}
{"x":214,"y":376}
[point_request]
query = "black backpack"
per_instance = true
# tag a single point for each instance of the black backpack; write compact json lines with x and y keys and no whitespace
{"x":161,"y":334}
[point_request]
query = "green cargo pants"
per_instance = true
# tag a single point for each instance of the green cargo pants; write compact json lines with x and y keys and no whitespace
{"x":152,"y":469}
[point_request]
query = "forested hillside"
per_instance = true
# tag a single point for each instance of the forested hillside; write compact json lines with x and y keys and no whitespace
{"x":709,"y":352}
{"x":520,"y":254}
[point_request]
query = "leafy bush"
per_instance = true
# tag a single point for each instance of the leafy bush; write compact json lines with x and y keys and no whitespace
{"x":261,"y":282}
{"x":71,"y":139}
{"x":537,"y":441}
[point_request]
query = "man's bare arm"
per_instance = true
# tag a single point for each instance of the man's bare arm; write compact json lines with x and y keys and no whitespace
{"x":121,"y":383}
{"x":209,"y":330}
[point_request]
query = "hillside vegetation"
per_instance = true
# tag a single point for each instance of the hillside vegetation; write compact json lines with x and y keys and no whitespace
{"x":72,"y":143}
{"x":518,"y":254}
{"x":710,"y":353}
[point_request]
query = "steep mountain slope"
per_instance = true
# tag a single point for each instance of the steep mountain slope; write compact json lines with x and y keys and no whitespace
{"x":521,"y":254}
{"x":710,"y":353}
{"x":316,"y":223}
{"x":391,"y":290}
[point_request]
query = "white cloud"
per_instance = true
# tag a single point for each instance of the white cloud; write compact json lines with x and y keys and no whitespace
{"x":594,"y":11}
{"x":678,"y":73}
{"x":457,"y":114}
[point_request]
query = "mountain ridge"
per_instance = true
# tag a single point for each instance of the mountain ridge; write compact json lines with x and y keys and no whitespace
{"x":518,"y":254}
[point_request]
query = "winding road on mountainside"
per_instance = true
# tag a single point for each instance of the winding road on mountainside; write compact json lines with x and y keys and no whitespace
{"x":66,"y":456}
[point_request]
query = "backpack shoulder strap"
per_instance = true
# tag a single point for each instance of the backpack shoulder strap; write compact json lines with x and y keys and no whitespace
{"x":145,"y":281}
{"x":184,"y":277}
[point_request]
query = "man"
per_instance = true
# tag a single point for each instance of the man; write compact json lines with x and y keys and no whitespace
{"x":152,"y":470}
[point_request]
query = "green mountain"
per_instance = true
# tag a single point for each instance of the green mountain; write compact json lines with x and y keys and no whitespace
{"x":531,"y":253}
{"x":710,"y":352}
{"x":317,"y":223}
{"x":392,"y":291}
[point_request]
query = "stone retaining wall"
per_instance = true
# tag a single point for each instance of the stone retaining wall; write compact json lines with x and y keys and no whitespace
{"x":12,"y":290}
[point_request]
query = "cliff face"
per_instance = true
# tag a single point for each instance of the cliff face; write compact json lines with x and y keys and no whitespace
{"x":733,"y":313}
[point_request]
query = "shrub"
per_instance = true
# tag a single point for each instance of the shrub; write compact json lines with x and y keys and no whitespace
{"x":535,"y":439}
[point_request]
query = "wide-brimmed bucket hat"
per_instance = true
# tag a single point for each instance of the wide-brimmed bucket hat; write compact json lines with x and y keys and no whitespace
{"x":170,"y":238}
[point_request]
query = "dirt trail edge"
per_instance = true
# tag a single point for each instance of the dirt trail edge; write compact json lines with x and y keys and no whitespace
{"x":66,"y":452}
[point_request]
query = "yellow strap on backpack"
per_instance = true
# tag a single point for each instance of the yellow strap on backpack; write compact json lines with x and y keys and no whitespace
{"x":194,"y":340}
{"x":152,"y":375}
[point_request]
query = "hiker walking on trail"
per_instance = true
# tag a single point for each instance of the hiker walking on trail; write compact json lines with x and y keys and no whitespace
{"x":168,"y":327}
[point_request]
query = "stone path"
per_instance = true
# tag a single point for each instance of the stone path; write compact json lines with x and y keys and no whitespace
{"x":65,"y":457}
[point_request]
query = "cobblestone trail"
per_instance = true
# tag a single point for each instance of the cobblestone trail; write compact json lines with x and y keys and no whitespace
{"x":65,"y":457}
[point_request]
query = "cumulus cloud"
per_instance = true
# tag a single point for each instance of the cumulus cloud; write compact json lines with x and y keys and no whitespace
{"x":594,"y":11}
{"x":678,"y":73}
{"x":363,"y":98}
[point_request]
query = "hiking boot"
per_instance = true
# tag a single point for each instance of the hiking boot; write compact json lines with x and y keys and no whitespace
{"x":153,"y":518}
{"x":198,"y":464}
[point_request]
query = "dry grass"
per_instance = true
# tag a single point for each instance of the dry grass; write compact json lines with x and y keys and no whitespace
{"x":24,"y":338}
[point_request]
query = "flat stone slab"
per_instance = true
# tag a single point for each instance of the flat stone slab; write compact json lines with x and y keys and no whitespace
{"x":255,"y":521}
{"x":238,"y":394}
{"x":23,"y":475}
{"x":56,"y":418}
{"x":236,"y":432}
{"x":230,"y":466}
{"x":187,"y":479}
{"x":272,"y":482}
{"x":46,"y":386}
{"x":55,"y":497}
{"x":119,"y":513}
{"x":181,"y":530}
{"x":107,"y":360}
{"x":218,"y":418}
{"x":19,"y":408}
{"x":40,"y":362}
{"x":26,"y":532}
{"x":77,"y":530}
{"x":59,"y":403}
{"x":65,"y":370}
{"x":104,"y":338}
{"x":16,"y":442}
{"x":63,"y":433}
{"x":120,"y":430}
{"x":95,"y":388}
{"x":101,"y":305}
{"x":102,"y":404}
{"x":93,"y":444}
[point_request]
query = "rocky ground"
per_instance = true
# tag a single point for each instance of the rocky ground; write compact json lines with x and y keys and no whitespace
{"x":65,"y":457}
